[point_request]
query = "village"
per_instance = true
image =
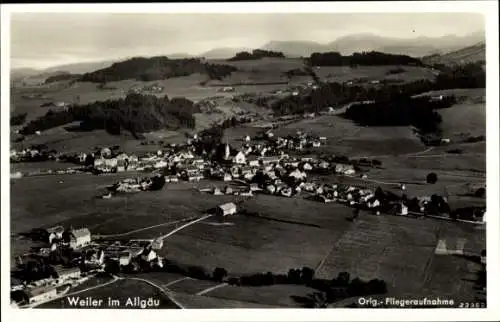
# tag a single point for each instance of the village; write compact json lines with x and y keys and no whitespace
{"x":263,"y":164}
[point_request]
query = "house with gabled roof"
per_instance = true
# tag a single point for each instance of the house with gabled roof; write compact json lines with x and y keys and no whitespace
{"x":79,"y":237}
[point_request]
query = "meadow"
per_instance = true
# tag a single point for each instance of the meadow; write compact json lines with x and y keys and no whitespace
{"x":250,"y":245}
{"x":401,"y":252}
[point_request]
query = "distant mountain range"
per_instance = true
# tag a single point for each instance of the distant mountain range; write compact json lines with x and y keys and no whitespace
{"x":416,"y":47}
{"x":18,"y":74}
{"x":223,"y":53}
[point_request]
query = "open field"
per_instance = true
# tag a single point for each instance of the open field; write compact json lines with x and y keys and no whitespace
{"x":263,"y":296}
{"x":163,"y":279}
{"x":464,"y":118}
{"x":267,"y":245}
{"x":192,"y":286}
{"x":74,"y":142}
{"x":121,"y":290}
{"x":451,"y":276}
{"x":190,"y":301}
{"x":397,"y":250}
{"x":346,"y":137}
{"x":276,"y":295}
{"x":73,"y":202}
{"x":469,"y":94}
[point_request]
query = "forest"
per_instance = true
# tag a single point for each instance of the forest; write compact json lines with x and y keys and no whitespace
{"x":136,"y":113}
{"x":256,"y":54}
{"x":156,"y":68}
{"x":372,"y":58}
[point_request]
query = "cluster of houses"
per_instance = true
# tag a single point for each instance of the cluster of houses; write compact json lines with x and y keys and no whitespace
{"x":87,"y":258}
{"x":31,"y":154}
{"x":154,"y":88}
{"x":226,"y":89}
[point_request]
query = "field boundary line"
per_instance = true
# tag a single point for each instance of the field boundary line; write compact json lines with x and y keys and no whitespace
{"x":323,"y":260}
{"x":210,"y":289}
{"x":177,"y":281}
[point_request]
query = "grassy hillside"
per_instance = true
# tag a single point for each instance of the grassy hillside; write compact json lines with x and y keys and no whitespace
{"x":471,"y":54}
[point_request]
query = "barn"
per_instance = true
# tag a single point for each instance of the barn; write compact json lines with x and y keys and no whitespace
{"x":226,"y":209}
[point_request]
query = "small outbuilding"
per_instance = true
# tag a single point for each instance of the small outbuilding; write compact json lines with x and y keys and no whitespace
{"x":226,"y":209}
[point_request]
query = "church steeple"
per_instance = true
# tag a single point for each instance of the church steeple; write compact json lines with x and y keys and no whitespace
{"x":227,"y":150}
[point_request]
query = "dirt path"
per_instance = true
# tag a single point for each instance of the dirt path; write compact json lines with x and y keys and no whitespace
{"x":210,"y":289}
{"x":412,"y":154}
{"x":184,"y":226}
{"x":144,"y":228}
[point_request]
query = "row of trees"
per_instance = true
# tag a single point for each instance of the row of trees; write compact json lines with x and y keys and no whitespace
{"x":136,"y":113}
{"x":256,"y":54}
{"x":156,"y":68}
{"x":372,"y":58}
{"x":340,"y":287}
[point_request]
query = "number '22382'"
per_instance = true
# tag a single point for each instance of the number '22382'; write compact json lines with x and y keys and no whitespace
{"x":468,"y":305}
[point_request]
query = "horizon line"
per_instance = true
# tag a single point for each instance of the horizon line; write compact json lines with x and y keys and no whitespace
{"x":200,"y":55}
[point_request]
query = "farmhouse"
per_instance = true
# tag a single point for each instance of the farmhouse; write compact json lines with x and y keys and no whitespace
{"x":79,"y":237}
{"x":125,"y":258}
{"x":270,"y":160}
{"x":226,"y":209}
{"x":67,"y":273}
{"x":148,"y":255}
{"x":240,"y":158}
{"x":157,"y":244}
{"x":173,"y":179}
{"x":298,"y":175}
{"x":344,"y":169}
{"x":55,"y":233}
{"x":195,"y":177}
{"x":42,"y":293}
{"x":95,"y":258}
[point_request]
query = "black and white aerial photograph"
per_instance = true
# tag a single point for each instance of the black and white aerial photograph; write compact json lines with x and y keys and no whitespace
{"x":286,"y":160}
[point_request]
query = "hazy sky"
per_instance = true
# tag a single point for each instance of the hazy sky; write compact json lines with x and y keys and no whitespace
{"x":42,"y":40}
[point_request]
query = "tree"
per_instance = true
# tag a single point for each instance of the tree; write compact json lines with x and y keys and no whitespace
{"x":307,"y":275}
{"x":318,"y":300}
{"x":343,"y":278}
{"x":293,"y":276}
{"x":432,"y":178}
{"x":157,"y":183}
{"x":219,"y":274}
{"x":480,"y":193}
{"x":112,"y":267}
